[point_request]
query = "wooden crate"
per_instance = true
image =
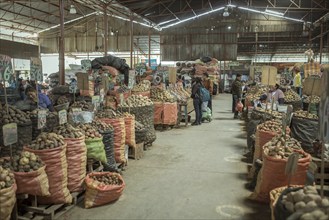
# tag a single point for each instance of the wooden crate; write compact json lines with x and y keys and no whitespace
{"x":318,"y":175}
{"x":136,"y":152}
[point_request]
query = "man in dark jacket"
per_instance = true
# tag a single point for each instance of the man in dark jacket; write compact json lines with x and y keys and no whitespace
{"x":197,"y":102}
{"x":236,"y":93}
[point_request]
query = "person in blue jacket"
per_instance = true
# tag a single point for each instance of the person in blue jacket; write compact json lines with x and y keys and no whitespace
{"x":44,"y":101}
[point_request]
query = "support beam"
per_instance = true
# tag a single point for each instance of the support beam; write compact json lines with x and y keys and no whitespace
{"x":149,"y":53}
{"x":131,"y":41}
{"x":61,"y":45}
{"x":106,"y":27}
{"x":321,"y":43}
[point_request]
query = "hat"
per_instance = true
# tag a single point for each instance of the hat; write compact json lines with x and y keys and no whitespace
{"x":238,"y":75}
{"x":263,"y":97}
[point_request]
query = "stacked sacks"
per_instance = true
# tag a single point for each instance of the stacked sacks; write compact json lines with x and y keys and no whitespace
{"x":7,"y":193}
{"x":143,"y":109}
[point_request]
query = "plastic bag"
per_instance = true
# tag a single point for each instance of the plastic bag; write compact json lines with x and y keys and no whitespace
{"x":272,"y":175}
{"x":7,"y":202}
{"x":95,"y":149}
{"x":305,"y":131}
{"x":130,"y":130}
{"x":33,"y":183}
{"x":76,"y":154}
{"x":239,"y":106}
{"x":56,"y":169}
{"x":97,"y":195}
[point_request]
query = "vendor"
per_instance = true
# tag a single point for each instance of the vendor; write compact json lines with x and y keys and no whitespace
{"x":276,"y":94}
{"x":44,"y":101}
{"x":261,"y":102}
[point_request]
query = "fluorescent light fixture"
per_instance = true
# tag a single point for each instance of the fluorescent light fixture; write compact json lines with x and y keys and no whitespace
{"x":165,"y":22}
{"x":274,"y":12}
{"x":73,"y":10}
{"x":188,"y":19}
{"x":226,"y":14}
{"x":230,"y":5}
{"x":229,"y":27}
{"x":274,"y":15}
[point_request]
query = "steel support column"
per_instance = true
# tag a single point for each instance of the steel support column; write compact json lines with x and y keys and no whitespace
{"x":321,"y":43}
{"x":131,"y":41}
{"x":105,"y":30}
{"x":149,"y":54}
{"x":61,"y":45}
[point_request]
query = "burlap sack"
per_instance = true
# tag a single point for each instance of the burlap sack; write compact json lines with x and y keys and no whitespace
{"x":33,"y":183}
{"x":100,"y":195}
{"x":56,"y":169}
{"x":130,"y":130}
{"x":76,"y":155}
{"x":7,"y":201}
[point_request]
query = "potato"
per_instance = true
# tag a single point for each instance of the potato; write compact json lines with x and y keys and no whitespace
{"x":290,"y":206}
{"x":47,"y":141}
{"x":300,"y":205}
{"x":310,"y":206}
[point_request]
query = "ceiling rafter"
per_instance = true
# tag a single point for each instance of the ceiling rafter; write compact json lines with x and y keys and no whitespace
{"x":190,"y":7}
{"x":169,"y":10}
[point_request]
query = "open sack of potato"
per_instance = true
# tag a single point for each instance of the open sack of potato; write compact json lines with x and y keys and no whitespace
{"x":51,"y":148}
{"x":301,"y":203}
{"x":107,"y":131}
{"x":140,"y":132}
{"x":103,"y":188}
{"x":94,"y":143}
{"x":30,"y":174}
{"x":116,"y":120}
{"x":264,"y":133}
{"x":24,"y":127}
{"x":272,"y":173}
{"x":292,"y":98}
{"x":304,"y":127}
{"x":7,"y":193}
{"x":76,"y":155}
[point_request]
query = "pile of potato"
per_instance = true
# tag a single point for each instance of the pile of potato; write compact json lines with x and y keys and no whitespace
{"x":62,"y":100}
{"x":291,"y":96}
{"x":109,"y":113}
{"x":14,"y":116}
{"x":89,"y":131}
{"x":6,"y":178}
{"x":160,"y":95}
{"x":304,"y":114}
{"x":144,"y":86}
{"x":68,"y":131}
{"x":47,"y":141}
{"x":101,"y":126}
{"x":280,"y":147}
{"x":26,"y":162}
{"x":275,"y":114}
{"x":315,"y":99}
{"x":271,"y":126}
{"x":306,"y":204}
{"x":83,"y":105}
{"x":107,"y":179}
{"x":137,"y":101}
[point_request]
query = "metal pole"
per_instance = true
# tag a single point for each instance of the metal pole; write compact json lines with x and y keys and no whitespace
{"x":105,"y":30}
{"x":149,"y":55}
{"x":137,"y":49}
{"x":131,"y":41}
{"x":321,"y":42}
{"x":61,"y":45}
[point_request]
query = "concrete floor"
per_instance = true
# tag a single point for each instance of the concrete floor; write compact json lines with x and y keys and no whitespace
{"x":190,"y":173}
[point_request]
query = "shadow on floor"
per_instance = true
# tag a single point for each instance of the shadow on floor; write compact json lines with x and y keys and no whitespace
{"x":224,"y":118}
{"x":242,"y":136}
{"x":261,"y":210}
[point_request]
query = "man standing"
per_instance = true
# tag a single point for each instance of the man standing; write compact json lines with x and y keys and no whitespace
{"x":298,"y":82}
{"x":236,"y":93}
{"x":208,"y":84}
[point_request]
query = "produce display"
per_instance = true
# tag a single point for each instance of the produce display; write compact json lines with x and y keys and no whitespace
{"x":34,"y":113}
{"x":306,"y":204}
{"x":62,"y":100}
{"x":137,"y":101}
{"x":255,"y":92}
{"x":144,"y":86}
{"x":161,"y":95}
{"x":180,"y":94}
{"x":47,"y":141}
{"x":315,"y":99}
{"x":274,"y":114}
{"x":13,"y":116}
{"x":101,"y":126}
{"x":271,"y":126}
{"x":68,"y":131}
{"x":83,"y":105}
{"x":304,"y":114}
{"x":89,"y":131}
{"x":281,"y":148}
{"x":26,"y":162}
{"x":139,"y":126}
{"x":291,"y":96}
{"x":6,"y":178}
{"x":107,"y":179}
{"x":123,"y":89}
{"x":109,"y":113}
